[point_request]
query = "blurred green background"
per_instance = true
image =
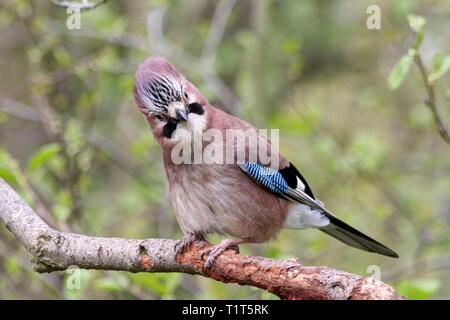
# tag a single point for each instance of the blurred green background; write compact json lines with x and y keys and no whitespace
{"x":75,"y":146}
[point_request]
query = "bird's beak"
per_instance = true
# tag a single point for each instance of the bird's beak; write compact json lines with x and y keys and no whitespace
{"x":181,"y":115}
{"x":177,"y":111}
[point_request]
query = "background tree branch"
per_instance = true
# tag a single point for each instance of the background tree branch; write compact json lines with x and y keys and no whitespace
{"x":83,"y":5}
{"x":441,"y":66}
{"x":52,"y":250}
{"x":431,"y":99}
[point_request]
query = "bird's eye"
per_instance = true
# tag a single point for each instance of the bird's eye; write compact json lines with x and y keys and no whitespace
{"x":196,"y":108}
{"x":159,"y":117}
{"x":185,"y":95}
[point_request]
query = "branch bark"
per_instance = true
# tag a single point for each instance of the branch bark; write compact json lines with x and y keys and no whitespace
{"x":52,"y":250}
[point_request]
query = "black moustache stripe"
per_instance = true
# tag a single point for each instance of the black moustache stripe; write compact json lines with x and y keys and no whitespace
{"x":169,"y":128}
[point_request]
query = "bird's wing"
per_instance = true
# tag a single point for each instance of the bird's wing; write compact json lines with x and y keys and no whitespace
{"x":286,"y":182}
{"x":282,"y":179}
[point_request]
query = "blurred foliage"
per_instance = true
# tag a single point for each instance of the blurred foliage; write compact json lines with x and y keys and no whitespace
{"x":74,"y":145}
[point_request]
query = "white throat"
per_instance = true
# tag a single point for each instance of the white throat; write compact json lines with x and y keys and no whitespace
{"x":190,"y":130}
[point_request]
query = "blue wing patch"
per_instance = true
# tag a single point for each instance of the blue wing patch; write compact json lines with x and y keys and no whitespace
{"x":268,"y":177}
{"x":275,"y":182}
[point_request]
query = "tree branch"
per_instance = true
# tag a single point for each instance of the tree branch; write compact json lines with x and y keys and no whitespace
{"x":203,"y":65}
{"x":431,"y":99}
{"x":217,"y":29}
{"x":84,"y":5}
{"x":52,"y":250}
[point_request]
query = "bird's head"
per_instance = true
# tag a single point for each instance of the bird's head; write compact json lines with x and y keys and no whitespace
{"x":171,"y":104}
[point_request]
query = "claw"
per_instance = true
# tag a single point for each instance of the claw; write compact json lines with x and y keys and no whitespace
{"x":217,"y":250}
{"x":184,"y":243}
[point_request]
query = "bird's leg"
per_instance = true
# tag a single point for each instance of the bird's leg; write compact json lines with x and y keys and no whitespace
{"x":187,"y":241}
{"x":223,"y":246}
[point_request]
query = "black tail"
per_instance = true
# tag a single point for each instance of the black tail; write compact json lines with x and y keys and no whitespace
{"x":349,"y":235}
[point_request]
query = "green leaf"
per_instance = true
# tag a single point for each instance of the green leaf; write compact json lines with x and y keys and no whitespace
{"x":399,"y":72}
{"x":8,"y":166}
{"x":416,"y":22}
{"x":417,"y":25}
{"x":8,"y":175}
{"x":441,"y":65}
{"x":43,"y":155}
{"x":418,"y":40}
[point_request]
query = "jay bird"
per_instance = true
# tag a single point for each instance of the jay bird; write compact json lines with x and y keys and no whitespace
{"x":249,"y":200}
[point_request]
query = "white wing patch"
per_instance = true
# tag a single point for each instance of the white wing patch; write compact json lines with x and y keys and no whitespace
{"x":302,"y":216}
{"x":300,"y":184}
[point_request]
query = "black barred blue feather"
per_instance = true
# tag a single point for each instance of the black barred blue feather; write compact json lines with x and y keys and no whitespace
{"x":285,"y":183}
{"x":268,"y":177}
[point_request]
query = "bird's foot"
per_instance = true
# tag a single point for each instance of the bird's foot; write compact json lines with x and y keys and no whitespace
{"x":217,"y":250}
{"x":186,"y":242}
